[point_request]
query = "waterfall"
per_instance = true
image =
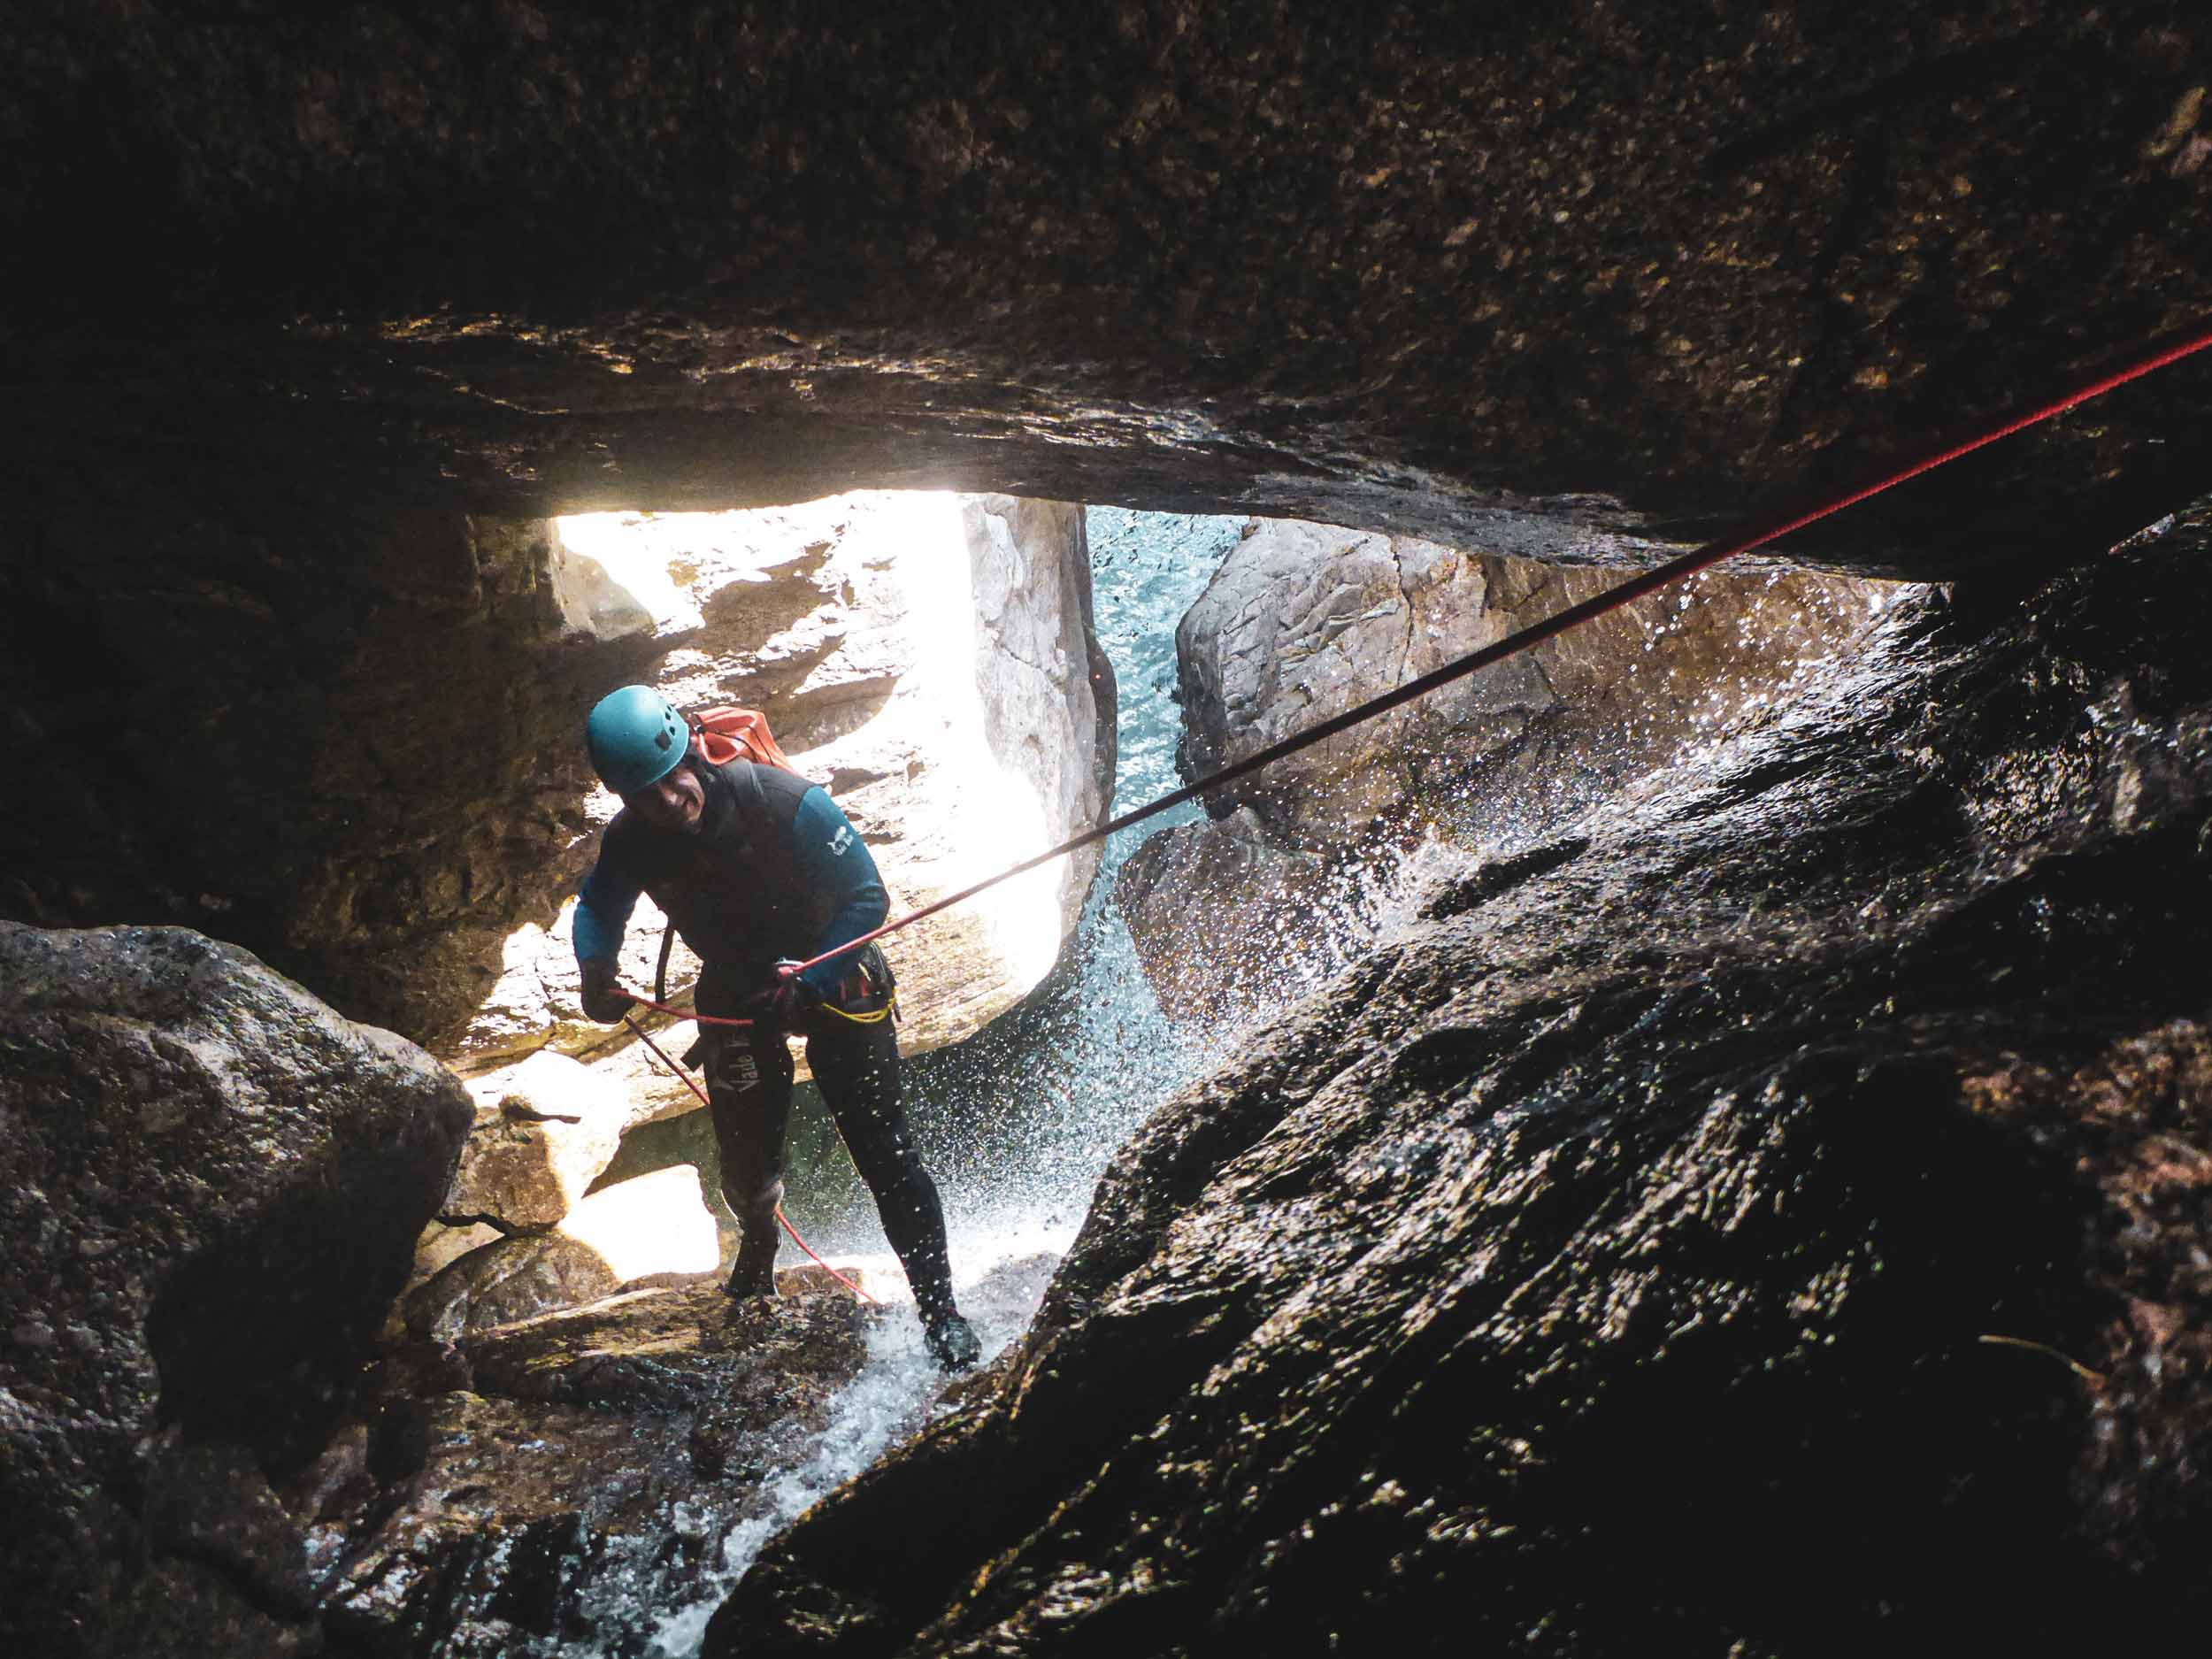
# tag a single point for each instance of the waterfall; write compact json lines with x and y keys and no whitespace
{"x":1015,"y":1124}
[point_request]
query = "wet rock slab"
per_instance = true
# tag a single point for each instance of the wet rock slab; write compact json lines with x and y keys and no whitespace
{"x":574,"y":1479}
{"x":1768,"y":1219}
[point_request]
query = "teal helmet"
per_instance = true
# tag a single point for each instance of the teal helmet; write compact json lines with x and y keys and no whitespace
{"x":635,"y":738}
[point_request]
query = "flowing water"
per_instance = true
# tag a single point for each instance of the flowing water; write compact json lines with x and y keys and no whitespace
{"x":1016,"y":1123}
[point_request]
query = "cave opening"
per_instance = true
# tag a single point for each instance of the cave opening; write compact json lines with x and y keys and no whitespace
{"x":1234,"y":915}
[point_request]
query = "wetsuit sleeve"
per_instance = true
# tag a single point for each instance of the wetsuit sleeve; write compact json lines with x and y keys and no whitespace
{"x":832,"y":855}
{"x":604,"y":902}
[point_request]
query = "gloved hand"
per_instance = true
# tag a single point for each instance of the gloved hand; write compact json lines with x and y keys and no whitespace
{"x":791,"y":999}
{"x":603,"y":999}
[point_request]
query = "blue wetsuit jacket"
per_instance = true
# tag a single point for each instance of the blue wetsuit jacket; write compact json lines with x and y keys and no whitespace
{"x":773,"y":870}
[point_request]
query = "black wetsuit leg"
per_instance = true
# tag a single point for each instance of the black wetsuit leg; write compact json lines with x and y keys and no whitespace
{"x":748,"y":1087}
{"x":858,"y":1068}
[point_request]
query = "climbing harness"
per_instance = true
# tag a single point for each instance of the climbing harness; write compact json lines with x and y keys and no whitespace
{"x":638,"y":1031}
{"x":876,"y":1018}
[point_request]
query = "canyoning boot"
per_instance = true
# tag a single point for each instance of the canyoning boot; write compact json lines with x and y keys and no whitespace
{"x":952,"y":1341}
{"x":755,"y":1273}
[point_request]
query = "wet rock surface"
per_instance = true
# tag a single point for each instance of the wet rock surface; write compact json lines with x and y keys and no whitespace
{"x":574,"y":1480}
{"x":210,"y":1185}
{"x":1305,"y":621}
{"x":1226,"y":921}
{"x":1765,"y":1217}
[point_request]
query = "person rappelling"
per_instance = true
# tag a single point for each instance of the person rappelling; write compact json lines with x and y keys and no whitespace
{"x":757,"y":869}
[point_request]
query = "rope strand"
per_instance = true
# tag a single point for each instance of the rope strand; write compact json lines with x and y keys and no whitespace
{"x":1637,"y":587}
{"x":638,"y":1031}
{"x":1625,"y":592}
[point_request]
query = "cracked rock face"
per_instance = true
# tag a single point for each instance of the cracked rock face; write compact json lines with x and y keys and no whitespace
{"x":1766,"y":1215}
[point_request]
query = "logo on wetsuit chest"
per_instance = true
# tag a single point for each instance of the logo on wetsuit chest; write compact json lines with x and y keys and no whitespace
{"x":841,"y":840}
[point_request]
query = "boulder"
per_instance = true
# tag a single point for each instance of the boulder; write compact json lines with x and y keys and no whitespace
{"x":1766,"y":1217}
{"x":209,"y":1187}
{"x":653,"y":1226}
{"x":505,"y":1282}
{"x":1304,"y":621}
{"x":545,"y":1129}
{"x":441,"y":1244}
{"x":926,"y":657}
{"x":649,"y":1226}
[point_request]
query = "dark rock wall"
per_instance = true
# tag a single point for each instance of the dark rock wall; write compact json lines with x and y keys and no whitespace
{"x":1766,"y":1219}
{"x":349,"y":746}
{"x":1526,"y":277}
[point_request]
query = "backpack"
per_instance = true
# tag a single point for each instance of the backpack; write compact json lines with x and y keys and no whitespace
{"x":725,"y":733}
{"x":718,"y":736}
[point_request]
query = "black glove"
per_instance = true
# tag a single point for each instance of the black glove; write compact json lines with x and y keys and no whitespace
{"x":790,"y":1000}
{"x":603,"y":999}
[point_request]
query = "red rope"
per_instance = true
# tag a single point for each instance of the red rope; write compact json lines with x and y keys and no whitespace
{"x":680,"y":1013}
{"x":1637,"y":587}
{"x":637,"y":1031}
{"x":1688,"y":564}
